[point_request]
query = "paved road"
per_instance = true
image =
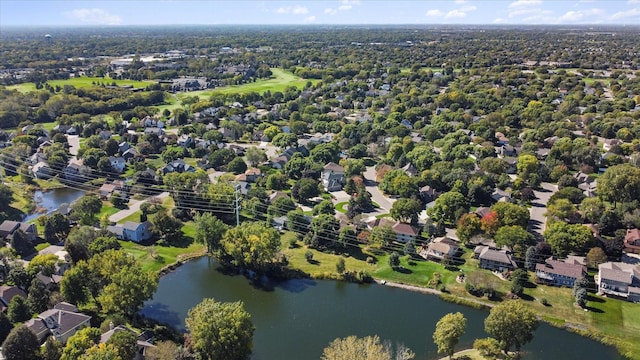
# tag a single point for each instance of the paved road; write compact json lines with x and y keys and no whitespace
{"x":539,"y":208}
{"x":377,"y":196}
{"x":134,"y":205}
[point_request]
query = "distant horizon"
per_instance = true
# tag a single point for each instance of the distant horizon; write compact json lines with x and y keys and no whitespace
{"x":87,"y":13}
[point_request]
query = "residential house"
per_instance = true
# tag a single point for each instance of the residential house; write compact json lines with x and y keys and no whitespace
{"x":106,"y":190}
{"x":404,"y":232}
{"x":154,"y":131}
{"x":560,"y":273}
{"x":105,"y":135}
{"x":185,"y":140}
{"x":9,"y":227}
{"x":62,"y":324}
{"x":332,"y":177}
{"x":118,"y":163}
{"x":123,"y":146}
{"x":7,"y":293}
{"x":178,"y":166}
{"x":253,"y":174}
{"x":500,"y":195}
{"x":428,"y":194}
{"x":410,"y":170}
{"x":42,"y":171}
{"x":619,"y":279}
{"x":276,"y":195}
{"x":494,"y":259}
{"x":632,"y":241}
{"x":439,"y":248}
{"x":130,"y":154}
{"x":75,"y":171}
{"x":132,"y":231}
{"x":142,"y":341}
{"x":512,"y":163}
{"x":507,"y":150}
{"x":279,"y":223}
{"x":607,"y":144}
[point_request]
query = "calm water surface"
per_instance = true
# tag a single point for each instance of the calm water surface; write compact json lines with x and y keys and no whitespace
{"x":296,"y":319}
{"x":52,"y":199}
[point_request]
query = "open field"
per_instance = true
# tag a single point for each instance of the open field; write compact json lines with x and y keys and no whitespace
{"x":81,"y":82}
{"x":155,"y":257}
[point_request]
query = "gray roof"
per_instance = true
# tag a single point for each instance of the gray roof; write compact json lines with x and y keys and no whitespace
{"x":621,"y":272}
{"x":65,"y":320}
{"x":9,"y":226}
{"x":501,"y":256}
{"x":559,"y":267}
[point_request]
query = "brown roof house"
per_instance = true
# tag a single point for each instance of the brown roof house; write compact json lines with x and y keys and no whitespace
{"x":632,"y":241}
{"x":404,"y":232}
{"x":560,"y":273}
{"x":494,"y":259}
{"x":619,"y":279}
{"x":439,"y":248}
{"x":7,"y":293}
{"x":8,"y":227}
{"x":62,"y":324}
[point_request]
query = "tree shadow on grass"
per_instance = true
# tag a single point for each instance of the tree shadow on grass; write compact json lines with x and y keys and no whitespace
{"x":595,"y":310}
{"x":595,"y":299}
{"x":403,"y":270}
{"x":526,"y":297}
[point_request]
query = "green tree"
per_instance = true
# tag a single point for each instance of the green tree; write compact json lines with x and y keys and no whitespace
{"x":620,"y":183}
{"x":101,"y":352}
{"x":324,"y":207}
{"x":38,"y":297}
{"x":354,"y":348}
{"x":488,"y":347}
{"x":5,"y":327}
{"x":381,"y":236}
{"x":304,"y":189}
{"x":220,"y":331}
{"x":80,"y":342}
{"x":86,"y":208}
{"x":45,"y":263}
{"x":52,"y":349}
{"x":340,"y":265}
{"x":512,"y":323}
{"x":595,"y":257}
{"x":592,"y":209}
{"x":167,"y":226}
{"x":237,"y":166}
{"x":125,"y":343}
{"x":394,"y":260}
{"x":324,"y":232}
{"x":564,"y":238}
{"x":163,"y":350}
{"x":78,"y":241}
{"x":448,"y":331}
{"x":449,"y":207}
{"x":527,"y":164}
{"x":284,"y":140}
{"x":406,"y":210}
{"x":18,"y":310}
{"x":78,"y":284}
{"x":21,"y":344}
{"x":209,"y":231}
{"x":102,"y":244}
{"x":514,"y":237}
{"x":276,"y":181}
{"x":255,"y":156}
{"x":254,"y":245}
{"x":56,"y":228}
{"x":469,"y":225}
{"x":511,"y":214}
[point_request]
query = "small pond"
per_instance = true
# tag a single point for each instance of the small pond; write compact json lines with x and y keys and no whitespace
{"x":50,"y":200}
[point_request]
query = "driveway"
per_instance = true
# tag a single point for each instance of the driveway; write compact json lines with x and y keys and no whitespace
{"x":134,"y":205}
{"x":538,"y":220}
{"x":377,"y":196}
{"x":74,"y":144}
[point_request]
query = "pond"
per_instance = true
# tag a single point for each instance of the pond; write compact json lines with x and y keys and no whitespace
{"x":296,"y":319}
{"x":50,"y":200}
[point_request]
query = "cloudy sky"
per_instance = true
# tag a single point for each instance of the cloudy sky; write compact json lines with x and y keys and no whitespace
{"x":212,"y":12}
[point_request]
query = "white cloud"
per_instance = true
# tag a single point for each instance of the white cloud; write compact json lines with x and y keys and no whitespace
{"x":468,"y":8}
{"x":499,"y":21}
{"x":94,"y":16}
{"x":575,"y":16}
{"x":434,"y":13}
{"x":522,"y":12}
{"x":633,"y":2}
{"x":298,"y":10}
{"x":310,"y":19}
{"x":345,"y":5}
{"x":455,"y":14}
{"x":626,"y":14}
{"x":460,"y":1}
{"x":524,"y":3}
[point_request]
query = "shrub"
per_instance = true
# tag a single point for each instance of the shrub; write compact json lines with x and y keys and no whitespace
{"x":488,"y":347}
{"x":545,"y":302}
{"x":371,"y":260}
{"x":308,"y":256}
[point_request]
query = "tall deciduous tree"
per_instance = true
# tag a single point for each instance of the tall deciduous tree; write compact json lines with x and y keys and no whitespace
{"x":209,"y":230}
{"x":511,"y":214}
{"x":5,"y":327}
{"x":254,"y":245}
{"x":220,"y":331}
{"x":80,"y":342}
{"x":512,"y":323}
{"x":21,"y":344}
{"x":468,"y":226}
{"x":449,"y":207}
{"x":255,"y":156}
{"x":56,"y":228}
{"x":86,"y":209}
{"x":620,"y":183}
{"x":448,"y":331}
{"x":564,"y":238}
{"x":354,"y":348}
{"x":514,"y":237}
{"x":406,"y":210}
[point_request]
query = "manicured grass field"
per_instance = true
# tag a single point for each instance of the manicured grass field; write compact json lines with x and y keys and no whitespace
{"x":155,"y":257}
{"x":81,"y":82}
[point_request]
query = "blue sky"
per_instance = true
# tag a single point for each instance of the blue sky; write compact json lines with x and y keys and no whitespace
{"x":169,"y":12}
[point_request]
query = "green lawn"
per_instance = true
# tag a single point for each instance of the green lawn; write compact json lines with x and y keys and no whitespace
{"x":81,"y":82}
{"x":155,"y":257}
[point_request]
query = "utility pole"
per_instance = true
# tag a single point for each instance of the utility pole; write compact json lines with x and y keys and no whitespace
{"x":237,"y":194}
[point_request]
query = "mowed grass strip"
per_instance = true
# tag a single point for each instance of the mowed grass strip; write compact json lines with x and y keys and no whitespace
{"x":82,"y":82}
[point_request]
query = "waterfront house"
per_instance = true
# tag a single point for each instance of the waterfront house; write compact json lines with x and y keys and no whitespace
{"x":560,"y":273}
{"x":620,"y":280}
